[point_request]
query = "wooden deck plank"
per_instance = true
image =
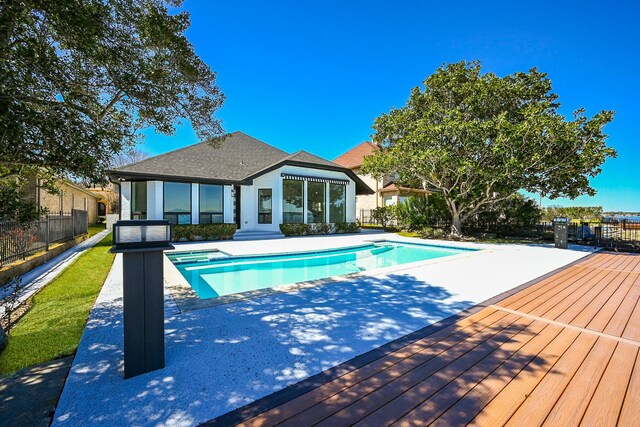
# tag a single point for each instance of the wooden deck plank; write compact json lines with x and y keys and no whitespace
{"x":554,"y":283}
{"x":604,"y":408}
{"x":406,"y":372}
{"x":446,"y":338}
{"x":602,"y":318}
{"x":393,"y":396}
{"x":389,"y":405}
{"x":620,"y":318}
{"x":470,"y":405}
{"x":557,"y":303}
{"x":573,"y":402}
{"x":541,"y":400}
{"x":593,"y":303}
{"x":500,"y":409}
{"x":497,"y":366}
{"x":509,"y":359}
{"x":553,"y":302}
{"x":630,"y":414}
{"x":632,"y":330}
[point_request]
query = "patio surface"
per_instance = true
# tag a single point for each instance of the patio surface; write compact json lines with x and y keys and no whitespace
{"x":563,"y":351}
{"x":224,"y":357}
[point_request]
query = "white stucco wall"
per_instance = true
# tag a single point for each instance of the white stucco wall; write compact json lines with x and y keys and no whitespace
{"x":249,"y":198}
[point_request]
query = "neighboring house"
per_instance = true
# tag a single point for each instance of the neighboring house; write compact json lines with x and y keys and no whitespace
{"x":386,"y":193}
{"x":69,"y":196}
{"x":245,"y":181}
{"x":107,"y":199}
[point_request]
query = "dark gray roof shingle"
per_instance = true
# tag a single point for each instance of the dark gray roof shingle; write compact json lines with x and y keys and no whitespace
{"x":238,"y":159}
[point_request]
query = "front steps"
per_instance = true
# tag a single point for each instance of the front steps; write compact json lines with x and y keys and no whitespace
{"x":257,"y":235}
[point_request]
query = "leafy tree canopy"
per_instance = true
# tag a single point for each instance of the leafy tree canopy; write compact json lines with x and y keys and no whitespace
{"x":584,"y":213}
{"x":79,"y":79}
{"x":479,"y":138}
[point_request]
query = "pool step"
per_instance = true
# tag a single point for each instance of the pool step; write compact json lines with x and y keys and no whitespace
{"x":257,"y":235}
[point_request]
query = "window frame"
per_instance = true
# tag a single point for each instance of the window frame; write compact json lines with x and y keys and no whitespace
{"x":344,"y":208}
{"x":164,"y":196}
{"x":307,"y":210}
{"x":302,"y":208}
{"x":270,"y":213}
{"x":210,"y":213}
{"x":143,"y":214}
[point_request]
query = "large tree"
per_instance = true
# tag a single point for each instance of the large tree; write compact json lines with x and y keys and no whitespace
{"x":479,"y":138}
{"x":80,"y":78}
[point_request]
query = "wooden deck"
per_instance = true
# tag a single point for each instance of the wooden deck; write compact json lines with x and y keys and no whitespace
{"x":562,"y":351}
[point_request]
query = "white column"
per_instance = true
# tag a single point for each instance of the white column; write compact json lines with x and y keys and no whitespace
{"x":155,"y":201}
{"x":195,"y":203}
{"x":125,"y":200}
{"x":227,"y":204}
{"x":351,"y":201}
{"x":326,"y":202}
{"x":305,"y":194}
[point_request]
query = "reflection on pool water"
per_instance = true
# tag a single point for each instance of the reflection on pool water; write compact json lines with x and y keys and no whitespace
{"x":213,"y":274}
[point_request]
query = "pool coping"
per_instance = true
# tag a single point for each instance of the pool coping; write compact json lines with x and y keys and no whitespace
{"x":186,"y":299}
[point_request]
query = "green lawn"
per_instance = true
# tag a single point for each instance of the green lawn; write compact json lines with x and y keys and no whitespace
{"x":54,"y":325}
{"x":95,"y":229}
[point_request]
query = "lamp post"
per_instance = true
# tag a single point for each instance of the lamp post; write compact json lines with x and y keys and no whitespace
{"x":141,"y":244}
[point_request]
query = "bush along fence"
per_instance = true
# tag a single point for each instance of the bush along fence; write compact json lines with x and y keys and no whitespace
{"x":197,"y":232}
{"x":319,"y":228}
{"x":19,"y":241}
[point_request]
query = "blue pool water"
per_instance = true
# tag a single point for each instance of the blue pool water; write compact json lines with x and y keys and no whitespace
{"x":213,"y":274}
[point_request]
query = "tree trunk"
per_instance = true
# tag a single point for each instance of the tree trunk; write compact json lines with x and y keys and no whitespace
{"x":456,"y":224}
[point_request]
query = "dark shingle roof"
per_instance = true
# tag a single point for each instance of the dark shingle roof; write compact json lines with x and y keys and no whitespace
{"x":238,"y":159}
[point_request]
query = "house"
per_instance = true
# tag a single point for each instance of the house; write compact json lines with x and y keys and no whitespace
{"x":387,"y":190}
{"x":244,"y":180}
{"x":69,"y":196}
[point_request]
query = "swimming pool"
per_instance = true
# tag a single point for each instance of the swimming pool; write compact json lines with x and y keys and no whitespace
{"x":213,"y":274}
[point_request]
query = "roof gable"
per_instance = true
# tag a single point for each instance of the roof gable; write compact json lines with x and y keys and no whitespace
{"x":238,"y":156}
{"x":238,"y":160}
{"x":354,"y":158}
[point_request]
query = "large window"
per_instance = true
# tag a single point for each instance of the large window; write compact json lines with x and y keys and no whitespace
{"x":211,"y":204}
{"x":139,"y":200}
{"x":292,"y":201}
{"x":316,"y":202}
{"x":337,"y":203}
{"x":265,"y":203}
{"x":177,"y":202}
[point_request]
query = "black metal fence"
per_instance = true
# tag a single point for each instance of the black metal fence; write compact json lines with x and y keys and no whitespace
{"x":18,"y":241}
{"x":612,"y":233}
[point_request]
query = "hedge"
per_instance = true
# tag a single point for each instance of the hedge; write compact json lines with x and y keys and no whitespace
{"x":319,"y":228}
{"x":203,"y":232}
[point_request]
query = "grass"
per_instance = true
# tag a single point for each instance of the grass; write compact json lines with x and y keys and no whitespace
{"x":95,"y":229}
{"x":493,"y":240}
{"x":53,"y":326}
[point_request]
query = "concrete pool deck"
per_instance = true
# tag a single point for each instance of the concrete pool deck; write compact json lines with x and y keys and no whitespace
{"x":223,"y":357}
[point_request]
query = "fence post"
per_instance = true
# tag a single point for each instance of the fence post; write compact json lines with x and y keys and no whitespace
{"x":46,"y":238}
{"x":73,"y":223}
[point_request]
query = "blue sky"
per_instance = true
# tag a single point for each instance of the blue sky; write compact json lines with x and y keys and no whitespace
{"x":313,"y":75}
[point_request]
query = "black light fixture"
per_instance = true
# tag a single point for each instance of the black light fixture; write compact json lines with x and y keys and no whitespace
{"x":141,"y":235}
{"x":142,"y":244}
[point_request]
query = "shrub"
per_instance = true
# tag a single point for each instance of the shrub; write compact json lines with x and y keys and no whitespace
{"x":417,"y":212}
{"x":319,"y":228}
{"x":347,"y":227}
{"x":295,"y":229}
{"x":433,"y":233}
{"x":203,"y":231}
{"x":516,"y":214}
{"x":384,"y":215}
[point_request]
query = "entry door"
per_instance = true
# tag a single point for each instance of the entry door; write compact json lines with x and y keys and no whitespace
{"x":237,"y":206}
